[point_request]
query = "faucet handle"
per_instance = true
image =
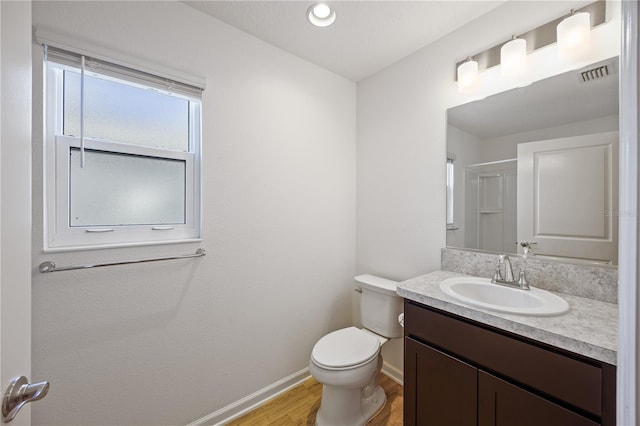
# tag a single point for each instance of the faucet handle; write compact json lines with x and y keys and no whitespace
{"x":497,"y":275}
{"x":522,"y":280}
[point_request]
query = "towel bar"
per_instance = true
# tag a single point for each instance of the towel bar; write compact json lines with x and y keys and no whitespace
{"x":49,"y":266}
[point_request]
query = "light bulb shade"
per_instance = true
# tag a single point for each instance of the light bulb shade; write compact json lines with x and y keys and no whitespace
{"x":513,"y":58}
{"x":574,"y":35}
{"x":467,"y":76}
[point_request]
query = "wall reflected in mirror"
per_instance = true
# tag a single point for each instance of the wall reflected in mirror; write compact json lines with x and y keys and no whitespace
{"x":538,"y":164}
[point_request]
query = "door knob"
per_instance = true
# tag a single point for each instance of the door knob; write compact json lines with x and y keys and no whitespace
{"x":19,"y":393}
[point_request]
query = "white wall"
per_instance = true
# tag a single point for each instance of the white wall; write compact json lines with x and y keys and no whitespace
{"x":402,"y":136}
{"x":170,"y":342}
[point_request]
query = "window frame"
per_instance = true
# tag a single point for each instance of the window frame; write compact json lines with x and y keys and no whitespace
{"x":58,"y":234}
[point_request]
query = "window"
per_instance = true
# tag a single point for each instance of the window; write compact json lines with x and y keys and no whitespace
{"x":450,"y":159}
{"x":122,"y":155}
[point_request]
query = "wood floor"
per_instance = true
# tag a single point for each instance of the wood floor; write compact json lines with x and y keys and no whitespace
{"x":299,"y":406}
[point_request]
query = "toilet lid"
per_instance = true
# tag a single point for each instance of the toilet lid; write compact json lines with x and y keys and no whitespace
{"x":346,"y":347}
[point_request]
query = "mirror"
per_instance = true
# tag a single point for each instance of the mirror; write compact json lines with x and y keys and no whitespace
{"x":538,"y":165}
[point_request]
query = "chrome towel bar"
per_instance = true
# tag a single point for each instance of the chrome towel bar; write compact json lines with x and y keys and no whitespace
{"x":49,"y":266}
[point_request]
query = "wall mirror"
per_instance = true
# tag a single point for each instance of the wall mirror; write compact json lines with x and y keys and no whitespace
{"x":538,"y":165}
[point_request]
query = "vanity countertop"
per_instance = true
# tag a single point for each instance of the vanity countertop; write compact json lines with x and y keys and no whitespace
{"x":590,"y":328}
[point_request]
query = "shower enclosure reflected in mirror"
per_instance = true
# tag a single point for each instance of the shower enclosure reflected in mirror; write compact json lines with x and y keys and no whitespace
{"x":538,"y":164}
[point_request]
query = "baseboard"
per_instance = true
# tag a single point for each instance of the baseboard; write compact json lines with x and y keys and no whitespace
{"x":393,"y":373}
{"x":248,"y":403}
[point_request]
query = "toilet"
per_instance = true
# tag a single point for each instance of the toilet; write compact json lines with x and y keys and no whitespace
{"x":347,"y":361}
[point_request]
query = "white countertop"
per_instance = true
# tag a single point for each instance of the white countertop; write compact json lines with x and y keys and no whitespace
{"x":590,"y":328}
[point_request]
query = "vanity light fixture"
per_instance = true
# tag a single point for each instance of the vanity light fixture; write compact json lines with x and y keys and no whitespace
{"x":513,"y":58}
{"x":467,"y":75}
{"x":321,"y":15}
{"x":574,"y":35}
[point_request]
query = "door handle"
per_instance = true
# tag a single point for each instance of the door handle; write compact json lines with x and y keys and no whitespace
{"x":19,"y":393}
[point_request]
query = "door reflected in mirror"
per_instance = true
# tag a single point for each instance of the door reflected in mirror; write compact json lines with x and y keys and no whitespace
{"x":538,"y":165}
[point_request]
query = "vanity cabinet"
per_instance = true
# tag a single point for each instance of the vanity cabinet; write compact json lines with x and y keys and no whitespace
{"x":460,"y":372}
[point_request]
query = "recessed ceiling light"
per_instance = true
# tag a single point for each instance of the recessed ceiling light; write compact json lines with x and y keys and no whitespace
{"x":321,"y":15}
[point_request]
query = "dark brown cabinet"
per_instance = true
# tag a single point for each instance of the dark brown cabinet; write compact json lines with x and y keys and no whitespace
{"x":439,"y":379}
{"x":459,"y":372}
{"x":502,"y":403}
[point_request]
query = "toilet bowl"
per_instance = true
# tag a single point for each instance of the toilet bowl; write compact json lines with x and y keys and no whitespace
{"x":348,"y":361}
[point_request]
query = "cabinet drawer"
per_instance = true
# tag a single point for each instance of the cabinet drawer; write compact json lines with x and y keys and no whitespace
{"x":563,"y":377}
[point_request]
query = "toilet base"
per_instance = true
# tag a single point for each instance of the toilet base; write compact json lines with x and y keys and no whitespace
{"x":352,"y":406}
{"x":348,"y":407}
{"x":373,"y":405}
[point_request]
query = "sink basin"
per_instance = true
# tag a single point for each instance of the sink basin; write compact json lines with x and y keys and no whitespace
{"x":481,"y":292}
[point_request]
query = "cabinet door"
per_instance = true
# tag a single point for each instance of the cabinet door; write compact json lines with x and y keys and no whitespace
{"x":503,"y":404}
{"x":439,"y":390}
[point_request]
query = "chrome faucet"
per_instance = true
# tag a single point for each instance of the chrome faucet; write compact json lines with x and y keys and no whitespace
{"x":506,"y":278}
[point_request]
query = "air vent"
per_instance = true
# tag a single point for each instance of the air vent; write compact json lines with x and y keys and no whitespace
{"x":597,"y":73}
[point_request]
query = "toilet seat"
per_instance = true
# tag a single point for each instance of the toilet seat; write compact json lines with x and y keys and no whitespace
{"x":345,"y":348}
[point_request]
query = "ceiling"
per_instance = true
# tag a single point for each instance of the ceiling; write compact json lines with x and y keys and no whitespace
{"x":366,"y":37}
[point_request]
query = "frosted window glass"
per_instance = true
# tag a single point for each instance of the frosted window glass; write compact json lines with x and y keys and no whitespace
{"x":123,"y":113}
{"x":122,"y":189}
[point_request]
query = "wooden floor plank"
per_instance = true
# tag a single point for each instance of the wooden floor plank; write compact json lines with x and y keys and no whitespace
{"x":299,"y":406}
{"x":282,"y":421}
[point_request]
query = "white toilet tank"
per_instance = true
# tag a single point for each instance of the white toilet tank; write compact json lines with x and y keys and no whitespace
{"x":380,"y":306}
